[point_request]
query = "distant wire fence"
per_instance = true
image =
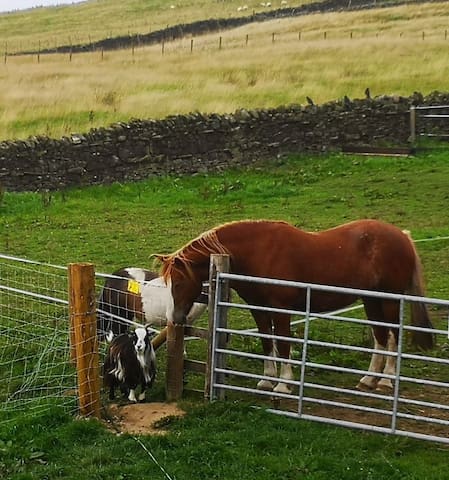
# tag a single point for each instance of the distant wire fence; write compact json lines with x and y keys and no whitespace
{"x":189,"y":44}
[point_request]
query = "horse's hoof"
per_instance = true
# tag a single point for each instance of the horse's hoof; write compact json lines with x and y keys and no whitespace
{"x":265,"y":385}
{"x":282,"y":388}
{"x":364,"y":387}
{"x":384,"y":387}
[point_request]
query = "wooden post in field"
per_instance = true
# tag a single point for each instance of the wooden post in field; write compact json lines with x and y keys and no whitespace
{"x":218,"y":263}
{"x":412,"y":124}
{"x":175,"y":361}
{"x":83,"y":336}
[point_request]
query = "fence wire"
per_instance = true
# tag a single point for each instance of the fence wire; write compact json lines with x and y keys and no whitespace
{"x":35,"y":370}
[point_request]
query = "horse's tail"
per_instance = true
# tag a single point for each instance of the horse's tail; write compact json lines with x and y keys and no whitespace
{"x":419,"y":313}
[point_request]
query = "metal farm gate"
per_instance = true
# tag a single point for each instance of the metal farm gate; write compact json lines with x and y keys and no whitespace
{"x":330,"y":352}
{"x":429,"y":121}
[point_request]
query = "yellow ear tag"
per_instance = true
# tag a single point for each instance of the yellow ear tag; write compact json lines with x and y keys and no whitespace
{"x":133,"y":287}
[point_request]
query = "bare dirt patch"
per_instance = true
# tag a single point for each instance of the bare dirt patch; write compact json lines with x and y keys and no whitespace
{"x":142,"y":418}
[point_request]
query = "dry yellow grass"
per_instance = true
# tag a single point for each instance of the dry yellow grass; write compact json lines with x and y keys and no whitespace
{"x":386,"y":53}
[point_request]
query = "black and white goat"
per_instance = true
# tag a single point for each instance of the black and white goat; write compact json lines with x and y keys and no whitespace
{"x":130,"y":361}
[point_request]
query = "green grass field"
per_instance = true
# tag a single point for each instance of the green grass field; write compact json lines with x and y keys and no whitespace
{"x":123,"y":224}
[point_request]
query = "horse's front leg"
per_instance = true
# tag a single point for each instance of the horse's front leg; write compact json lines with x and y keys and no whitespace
{"x":281,"y":324}
{"x":391,"y":314}
{"x":263,"y":322}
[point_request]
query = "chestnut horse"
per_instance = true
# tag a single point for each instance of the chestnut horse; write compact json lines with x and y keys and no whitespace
{"x":364,"y":254}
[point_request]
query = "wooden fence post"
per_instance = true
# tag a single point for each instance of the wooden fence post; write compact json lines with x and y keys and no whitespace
{"x":175,"y":361}
{"x":218,"y":263}
{"x":412,"y":124}
{"x":83,"y":336}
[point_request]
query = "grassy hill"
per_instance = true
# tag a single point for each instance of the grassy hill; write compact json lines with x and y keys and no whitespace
{"x":324,"y":56}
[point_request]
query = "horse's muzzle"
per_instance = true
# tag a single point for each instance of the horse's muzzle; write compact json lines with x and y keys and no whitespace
{"x":178,"y":317}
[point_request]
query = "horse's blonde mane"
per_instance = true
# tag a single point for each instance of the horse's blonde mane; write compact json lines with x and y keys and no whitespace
{"x":204,"y":244}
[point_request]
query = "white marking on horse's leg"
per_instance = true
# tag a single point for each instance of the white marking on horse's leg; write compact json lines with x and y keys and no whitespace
{"x":286,"y":374}
{"x":390,"y":364}
{"x":377,"y":362}
{"x":132,"y":395}
{"x":142,"y":396}
{"x":270,"y":370}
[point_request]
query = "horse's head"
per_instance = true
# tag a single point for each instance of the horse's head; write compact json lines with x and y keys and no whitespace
{"x":184,"y":281}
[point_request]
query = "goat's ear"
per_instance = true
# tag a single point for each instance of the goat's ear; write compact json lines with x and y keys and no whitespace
{"x":150,"y":331}
{"x":131,"y":331}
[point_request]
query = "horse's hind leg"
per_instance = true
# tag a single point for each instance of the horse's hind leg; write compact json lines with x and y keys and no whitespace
{"x":374,"y":312}
{"x":264,"y":324}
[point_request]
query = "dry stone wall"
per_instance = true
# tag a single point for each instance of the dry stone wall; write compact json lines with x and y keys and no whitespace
{"x":187,"y":144}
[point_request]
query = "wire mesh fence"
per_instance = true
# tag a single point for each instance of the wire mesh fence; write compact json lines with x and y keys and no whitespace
{"x":35,"y":370}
